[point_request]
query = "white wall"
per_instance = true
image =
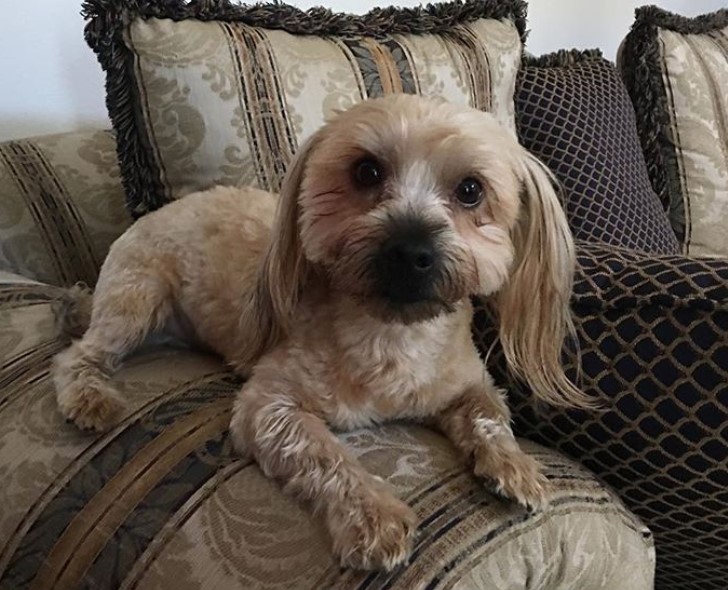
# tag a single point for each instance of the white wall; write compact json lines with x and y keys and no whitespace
{"x":50,"y":80}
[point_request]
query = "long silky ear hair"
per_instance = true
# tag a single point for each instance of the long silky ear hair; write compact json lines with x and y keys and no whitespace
{"x":533,"y":307}
{"x":271,"y":304}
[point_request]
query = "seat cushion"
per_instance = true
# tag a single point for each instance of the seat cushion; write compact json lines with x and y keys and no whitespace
{"x":205,"y":93}
{"x":161,"y":501}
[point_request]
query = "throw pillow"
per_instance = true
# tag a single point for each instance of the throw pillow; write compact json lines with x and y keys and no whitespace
{"x":676,"y":70}
{"x":573,"y":112}
{"x":211,"y":92}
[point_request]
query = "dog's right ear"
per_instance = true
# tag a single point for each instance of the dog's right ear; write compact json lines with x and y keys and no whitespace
{"x":283,"y":270}
{"x":533,"y":307}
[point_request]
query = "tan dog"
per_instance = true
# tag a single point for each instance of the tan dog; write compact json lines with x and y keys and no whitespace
{"x":354,"y":308}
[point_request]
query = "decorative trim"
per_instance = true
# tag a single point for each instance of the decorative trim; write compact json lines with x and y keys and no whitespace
{"x":105,"y":16}
{"x":562,"y":58}
{"x":685,"y":25}
{"x":107,"y":21}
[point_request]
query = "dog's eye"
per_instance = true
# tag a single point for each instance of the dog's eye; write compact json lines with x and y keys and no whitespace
{"x":368,"y":173}
{"x":469,"y":192}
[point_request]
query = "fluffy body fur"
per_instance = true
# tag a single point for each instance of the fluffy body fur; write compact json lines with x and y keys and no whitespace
{"x":346,"y":301}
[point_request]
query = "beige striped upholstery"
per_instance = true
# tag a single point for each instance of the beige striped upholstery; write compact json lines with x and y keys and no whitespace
{"x":61,"y":205}
{"x":161,"y":502}
{"x":215,"y":114}
{"x":696,"y":73}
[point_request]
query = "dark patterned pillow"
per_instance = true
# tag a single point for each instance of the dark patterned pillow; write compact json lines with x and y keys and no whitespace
{"x":573,"y":112}
{"x":653,"y":336}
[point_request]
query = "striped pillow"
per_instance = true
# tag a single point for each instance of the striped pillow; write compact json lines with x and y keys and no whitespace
{"x":211,"y":93}
{"x":676,"y":70}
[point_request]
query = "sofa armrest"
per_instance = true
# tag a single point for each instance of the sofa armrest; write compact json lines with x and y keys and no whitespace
{"x":653,"y":335}
{"x":62,"y":205}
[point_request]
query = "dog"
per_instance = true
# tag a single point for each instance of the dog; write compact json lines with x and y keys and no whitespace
{"x":346,"y":301}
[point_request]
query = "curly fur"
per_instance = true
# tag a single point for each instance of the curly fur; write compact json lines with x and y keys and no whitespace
{"x":286,"y":290}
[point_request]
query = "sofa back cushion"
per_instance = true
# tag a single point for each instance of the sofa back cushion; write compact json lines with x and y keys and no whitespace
{"x":61,"y":206}
{"x":676,"y":70}
{"x":209,"y":93}
{"x":574,"y":113}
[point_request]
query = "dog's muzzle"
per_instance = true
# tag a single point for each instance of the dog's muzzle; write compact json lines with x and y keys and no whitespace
{"x":407,"y":265}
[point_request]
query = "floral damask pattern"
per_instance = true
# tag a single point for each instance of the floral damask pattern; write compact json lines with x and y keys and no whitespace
{"x":696,"y":71}
{"x":61,"y":205}
{"x":676,"y":71}
{"x":229,"y":103}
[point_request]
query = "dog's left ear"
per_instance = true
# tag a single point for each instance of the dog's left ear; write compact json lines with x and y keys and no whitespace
{"x":283,"y":271}
{"x":533,"y":307}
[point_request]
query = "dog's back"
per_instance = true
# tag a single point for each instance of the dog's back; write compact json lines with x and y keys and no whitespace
{"x":192,"y":263}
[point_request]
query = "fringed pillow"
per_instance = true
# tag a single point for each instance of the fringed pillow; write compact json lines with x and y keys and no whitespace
{"x":211,"y":92}
{"x":676,"y":70}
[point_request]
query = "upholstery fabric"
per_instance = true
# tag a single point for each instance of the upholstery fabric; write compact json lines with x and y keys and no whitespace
{"x":61,"y":206}
{"x":653,"y":335}
{"x":573,"y":112}
{"x":208,"y":93}
{"x":162,"y":502}
{"x":676,"y":70}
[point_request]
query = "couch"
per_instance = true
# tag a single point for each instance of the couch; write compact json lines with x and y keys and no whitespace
{"x":161,"y":501}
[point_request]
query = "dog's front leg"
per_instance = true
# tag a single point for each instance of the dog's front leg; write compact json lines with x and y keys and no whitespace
{"x":477,"y":423}
{"x":369,"y":526}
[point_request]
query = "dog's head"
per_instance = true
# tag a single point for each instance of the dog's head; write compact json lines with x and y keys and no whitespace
{"x":411,"y":205}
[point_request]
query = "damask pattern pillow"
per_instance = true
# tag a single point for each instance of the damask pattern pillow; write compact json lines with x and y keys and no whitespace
{"x":676,"y":70}
{"x":206,"y":93}
{"x":573,"y":112}
{"x":61,"y":206}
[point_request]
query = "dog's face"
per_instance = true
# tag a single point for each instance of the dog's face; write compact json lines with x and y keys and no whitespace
{"x":409,"y":205}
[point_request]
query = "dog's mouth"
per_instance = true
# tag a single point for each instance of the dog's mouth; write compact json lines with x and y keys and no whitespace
{"x":409,"y":312}
{"x":410,"y":278}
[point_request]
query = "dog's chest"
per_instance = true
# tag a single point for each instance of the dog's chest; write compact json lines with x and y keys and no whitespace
{"x":392,"y":373}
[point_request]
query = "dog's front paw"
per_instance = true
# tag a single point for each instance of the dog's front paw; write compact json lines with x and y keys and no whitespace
{"x":372,"y":530}
{"x":513,"y":474}
{"x":92,"y":405}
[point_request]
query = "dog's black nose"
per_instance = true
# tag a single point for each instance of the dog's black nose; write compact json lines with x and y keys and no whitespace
{"x":417,"y":256}
{"x":406,"y":266}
